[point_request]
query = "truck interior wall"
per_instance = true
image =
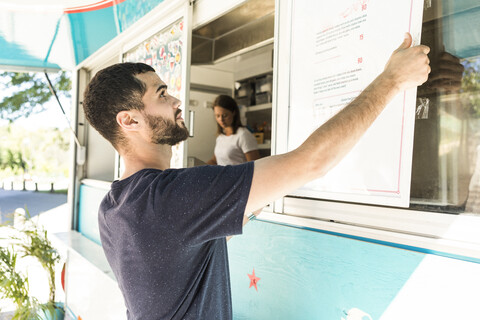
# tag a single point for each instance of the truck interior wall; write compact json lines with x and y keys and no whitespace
{"x":224,"y":74}
{"x":206,"y":84}
{"x":202,"y":144}
{"x":256,"y":62}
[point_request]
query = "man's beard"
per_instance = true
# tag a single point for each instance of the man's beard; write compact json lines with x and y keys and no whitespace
{"x":165,"y":131}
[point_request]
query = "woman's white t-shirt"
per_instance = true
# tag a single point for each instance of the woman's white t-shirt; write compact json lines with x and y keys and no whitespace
{"x":231,"y":149}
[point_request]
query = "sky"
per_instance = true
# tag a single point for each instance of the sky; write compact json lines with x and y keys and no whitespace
{"x":52,"y":117}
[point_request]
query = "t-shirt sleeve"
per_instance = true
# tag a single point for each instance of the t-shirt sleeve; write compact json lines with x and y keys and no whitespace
{"x":204,"y":203}
{"x":247,"y":141}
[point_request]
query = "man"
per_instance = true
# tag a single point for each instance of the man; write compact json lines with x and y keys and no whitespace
{"x":163,"y":230}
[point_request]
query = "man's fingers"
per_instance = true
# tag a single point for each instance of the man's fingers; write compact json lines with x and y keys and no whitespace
{"x":407,"y":42}
{"x":423,"y":48}
{"x":409,"y":65}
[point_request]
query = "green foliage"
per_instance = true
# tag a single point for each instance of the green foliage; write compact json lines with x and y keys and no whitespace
{"x":12,"y":160}
{"x":26,"y":93}
{"x":471,"y":86}
{"x":42,"y":153}
{"x":37,"y":245}
{"x":30,"y":241}
{"x":14,"y":286}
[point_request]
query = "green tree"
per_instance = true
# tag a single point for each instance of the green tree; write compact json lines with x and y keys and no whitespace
{"x":15,"y":161}
{"x":27,"y":93}
{"x":42,"y":152}
{"x":471,"y":86}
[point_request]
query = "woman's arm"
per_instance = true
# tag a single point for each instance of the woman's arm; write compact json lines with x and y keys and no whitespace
{"x":212,"y":161}
{"x":252,"y":155}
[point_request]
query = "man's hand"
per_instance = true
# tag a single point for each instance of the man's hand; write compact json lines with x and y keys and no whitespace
{"x":408,"y":67}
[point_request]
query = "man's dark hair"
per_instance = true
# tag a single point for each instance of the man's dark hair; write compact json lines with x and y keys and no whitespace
{"x":114,"y":89}
{"x":228,"y":103}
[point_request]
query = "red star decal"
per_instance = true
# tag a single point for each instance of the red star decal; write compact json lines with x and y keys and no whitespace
{"x":253,"y":279}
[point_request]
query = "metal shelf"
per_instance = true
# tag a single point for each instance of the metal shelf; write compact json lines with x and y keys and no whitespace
{"x":265,"y":146}
{"x":259,"y":107}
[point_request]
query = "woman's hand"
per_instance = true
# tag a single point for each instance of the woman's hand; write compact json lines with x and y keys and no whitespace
{"x":252,"y":155}
{"x":212,"y":161}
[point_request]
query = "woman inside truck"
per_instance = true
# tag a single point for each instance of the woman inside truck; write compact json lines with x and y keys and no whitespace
{"x":234,"y":144}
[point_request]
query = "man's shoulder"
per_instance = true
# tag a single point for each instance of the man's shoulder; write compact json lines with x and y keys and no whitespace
{"x":139,"y":177}
{"x":136,"y":183}
{"x":183,"y":178}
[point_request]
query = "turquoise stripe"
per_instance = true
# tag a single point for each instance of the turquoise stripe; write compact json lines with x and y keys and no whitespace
{"x":306,"y":274}
{"x":89,"y":203}
{"x":54,"y":38}
{"x":13,"y":54}
{"x":91,"y":30}
{"x":385,"y":243}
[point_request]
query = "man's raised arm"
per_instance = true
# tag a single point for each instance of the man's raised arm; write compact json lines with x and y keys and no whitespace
{"x":275,"y":176}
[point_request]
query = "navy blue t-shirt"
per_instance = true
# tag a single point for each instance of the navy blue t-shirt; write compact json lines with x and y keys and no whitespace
{"x":163,"y":233}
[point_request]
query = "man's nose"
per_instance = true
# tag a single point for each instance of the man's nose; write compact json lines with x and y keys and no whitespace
{"x":176,"y":103}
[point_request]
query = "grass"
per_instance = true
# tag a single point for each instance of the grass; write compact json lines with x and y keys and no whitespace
{"x":60,"y":191}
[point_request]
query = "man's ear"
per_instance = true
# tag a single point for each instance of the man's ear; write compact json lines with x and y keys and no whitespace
{"x":128,"y":120}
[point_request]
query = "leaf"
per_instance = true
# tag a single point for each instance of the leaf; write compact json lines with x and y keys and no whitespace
{"x":27,"y":93}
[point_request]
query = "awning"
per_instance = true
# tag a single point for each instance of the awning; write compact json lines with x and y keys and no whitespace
{"x":38,"y":35}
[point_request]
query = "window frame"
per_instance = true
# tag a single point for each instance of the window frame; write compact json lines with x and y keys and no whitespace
{"x":453,"y":235}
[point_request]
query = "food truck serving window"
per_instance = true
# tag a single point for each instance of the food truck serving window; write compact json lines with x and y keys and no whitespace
{"x":422,"y":152}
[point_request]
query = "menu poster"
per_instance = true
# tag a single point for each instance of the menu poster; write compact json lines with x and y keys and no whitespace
{"x":338,"y":48}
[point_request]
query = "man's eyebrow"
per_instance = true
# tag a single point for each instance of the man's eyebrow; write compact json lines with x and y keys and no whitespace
{"x":160,"y":87}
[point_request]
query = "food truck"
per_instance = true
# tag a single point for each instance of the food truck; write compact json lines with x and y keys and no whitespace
{"x":392,"y":232}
